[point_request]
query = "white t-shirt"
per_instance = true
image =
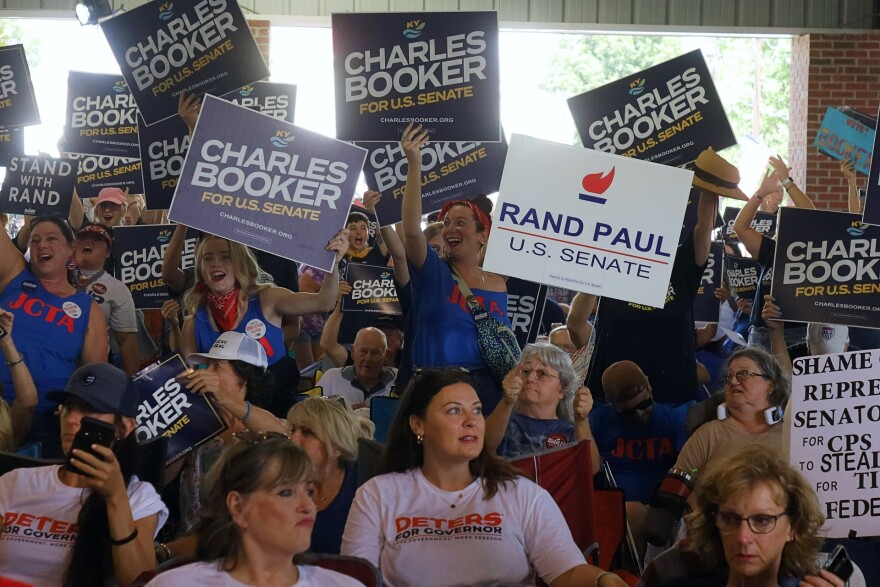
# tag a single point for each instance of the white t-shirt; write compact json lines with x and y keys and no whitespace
{"x":209,"y":574}
{"x":39,"y":528}
{"x":115,"y":302}
{"x":408,"y":528}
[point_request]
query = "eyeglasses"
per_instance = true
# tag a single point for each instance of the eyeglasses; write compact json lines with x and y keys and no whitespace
{"x":758,"y":523}
{"x":639,"y":407}
{"x":540,"y":374}
{"x":252,"y":437}
{"x":742,"y":375}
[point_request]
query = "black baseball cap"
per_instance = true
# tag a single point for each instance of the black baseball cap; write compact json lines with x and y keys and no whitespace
{"x":106,"y":388}
{"x":388,"y":321}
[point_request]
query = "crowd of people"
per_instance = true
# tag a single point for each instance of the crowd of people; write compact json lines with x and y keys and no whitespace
{"x":442,"y":505}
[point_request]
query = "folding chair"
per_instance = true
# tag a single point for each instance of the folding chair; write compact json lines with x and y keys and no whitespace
{"x":596,"y":518}
{"x":352,"y":566}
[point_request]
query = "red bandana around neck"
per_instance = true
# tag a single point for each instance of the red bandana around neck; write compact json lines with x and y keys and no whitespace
{"x":224,"y":308}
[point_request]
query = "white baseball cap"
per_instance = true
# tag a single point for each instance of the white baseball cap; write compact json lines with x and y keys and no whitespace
{"x":233,"y":346}
{"x":825,"y":339}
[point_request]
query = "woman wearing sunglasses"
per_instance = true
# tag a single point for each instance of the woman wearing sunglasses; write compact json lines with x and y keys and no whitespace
{"x":257,"y":514}
{"x":542,"y":406}
{"x":756,"y":523}
{"x":447,"y":511}
{"x":755,"y":392}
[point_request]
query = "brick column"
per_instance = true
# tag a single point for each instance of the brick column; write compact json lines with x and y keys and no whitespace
{"x":261,"y":30}
{"x":828,"y":70}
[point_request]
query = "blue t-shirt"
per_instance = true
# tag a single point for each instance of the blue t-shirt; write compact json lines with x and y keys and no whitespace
{"x":525,"y":435}
{"x":253,"y":324}
{"x":49,"y":331}
{"x":639,"y":454}
{"x":329,"y":523}
{"x":446,"y":334}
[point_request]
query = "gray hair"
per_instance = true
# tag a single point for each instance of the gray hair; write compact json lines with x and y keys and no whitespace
{"x":556,"y":358}
{"x":767,"y":365}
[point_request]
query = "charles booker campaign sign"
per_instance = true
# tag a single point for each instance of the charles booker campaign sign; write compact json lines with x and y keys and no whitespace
{"x":834,"y":436}
{"x":266,"y":183}
{"x":450,"y":171}
{"x":18,"y":104}
{"x":666,"y":114}
{"x":827,"y":268}
{"x":167,"y":408}
{"x":101,"y":116}
{"x":166,"y":48}
{"x":587,"y":221}
{"x":439,"y":69}
{"x":140,"y":252}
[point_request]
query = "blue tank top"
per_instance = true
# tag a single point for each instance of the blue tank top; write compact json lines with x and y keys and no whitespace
{"x":444,"y":330}
{"x":49,"y":331}
{"x":253,"y":324}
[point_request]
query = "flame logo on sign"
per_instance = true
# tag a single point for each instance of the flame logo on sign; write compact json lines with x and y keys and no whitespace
{"x":858,"y":228}
{"x":413,"y":29}
{"x":282,"y":138}
{"x":637,"y":86}
{"x":164,"y":236}
{"x":120,"y":87}
{"x":166,"y":11}
{"x":596,"y":184}
{"x":246,"y":91}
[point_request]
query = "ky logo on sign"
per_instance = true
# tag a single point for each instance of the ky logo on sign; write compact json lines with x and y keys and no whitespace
{"x":596,"y":184}
{"x":413,"y":29}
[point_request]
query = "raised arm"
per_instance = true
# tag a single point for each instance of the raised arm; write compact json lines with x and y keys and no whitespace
{"x":25,"y":402}
{"x":414,"y":241}
{"x":770,"y":314}
{"x":578,"y":321}
{"x":852,"y":186}
{"x":742,"y":226}
{"x":392,"y":243}
{"x":173,"y":275}
{"x":496,"y":422}
{"x":96,"y":346}
{"x":278,"y":301}
{"x":703,"y":229}
{"x":11,"y":259}
{"x":583,"y":405}
{"x":77,"y":215}
{"x":783,"y":173}
{"x":337,"y":353}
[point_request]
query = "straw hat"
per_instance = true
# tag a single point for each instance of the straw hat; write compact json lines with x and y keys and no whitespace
{"x":714,"y":175}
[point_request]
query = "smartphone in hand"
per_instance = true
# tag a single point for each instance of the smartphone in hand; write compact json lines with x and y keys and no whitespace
{"x":91,"y":431}
{"x":839,"y":563}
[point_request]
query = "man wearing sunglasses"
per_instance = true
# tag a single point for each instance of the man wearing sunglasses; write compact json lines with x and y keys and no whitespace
{"x":639,"y":438}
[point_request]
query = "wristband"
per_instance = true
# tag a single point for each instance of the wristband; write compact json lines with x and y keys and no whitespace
{"x":163,"y":552}
{"x":248,"y":413}
{"x":788,"y":182}
{"x":131,"y":537}
{"x":16,"y":362}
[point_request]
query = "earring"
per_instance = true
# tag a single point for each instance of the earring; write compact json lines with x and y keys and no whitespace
{"x":419,"y":438}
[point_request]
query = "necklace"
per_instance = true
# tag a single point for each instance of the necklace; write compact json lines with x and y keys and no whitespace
{"x":442,"y":494}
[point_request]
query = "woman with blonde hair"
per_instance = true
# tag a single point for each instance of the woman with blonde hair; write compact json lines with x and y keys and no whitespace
{"x":230,"y":293}
{"x":328,"y":431}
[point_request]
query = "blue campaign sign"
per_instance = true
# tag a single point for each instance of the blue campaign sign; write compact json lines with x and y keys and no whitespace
{"x":101,"y":116}
{"x":438,"y":69}
{"x":742,"y":276}
{"x":37,"y":186}
{"x":525,"y":308}
{"x":665,"y":114}
{"x":825,"y":269}
{"x":163,"y":148}
{"x":96,"y":173}
{"x":167,"y":48}
{"x":843,"y":137}
{"x":167,"y":408}
{"x":266,"y":183}
{"x":276,"y":100}
{"x":11,"y":143}
{"x":450,"y":171}
{"x":706,"y":305}
{"x":372,"y":290}
{"x":18,"y":104}
{"x":140,"y":253}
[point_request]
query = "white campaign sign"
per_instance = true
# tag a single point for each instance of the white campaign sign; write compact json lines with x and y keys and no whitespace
{"x":835,"y":435}
{"x":587,"y":221}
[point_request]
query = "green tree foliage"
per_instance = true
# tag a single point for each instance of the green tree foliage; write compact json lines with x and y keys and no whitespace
{"x":12,"y":33}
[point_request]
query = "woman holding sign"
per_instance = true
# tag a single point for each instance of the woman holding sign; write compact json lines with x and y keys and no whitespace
{"x":230,"y":294}
{"x":442,"y":287}
{"x":57,"y":327}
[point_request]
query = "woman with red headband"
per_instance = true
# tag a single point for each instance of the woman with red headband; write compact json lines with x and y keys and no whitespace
{"x":446,"y":333}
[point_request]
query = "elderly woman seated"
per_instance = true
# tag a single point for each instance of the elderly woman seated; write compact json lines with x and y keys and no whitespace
{"x":756,"y":523}
{"x":542,"y":406}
